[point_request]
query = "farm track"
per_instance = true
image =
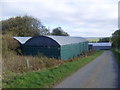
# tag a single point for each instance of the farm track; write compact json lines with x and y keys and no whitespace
{"x":100,"y":73}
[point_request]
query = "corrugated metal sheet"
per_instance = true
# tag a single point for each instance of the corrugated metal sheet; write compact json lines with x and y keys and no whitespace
{"x":22,"y":40}
{"x":64,"y":40}
{"x":100,"y":44}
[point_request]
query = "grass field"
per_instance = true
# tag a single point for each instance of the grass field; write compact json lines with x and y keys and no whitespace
{"x":47,"y":77}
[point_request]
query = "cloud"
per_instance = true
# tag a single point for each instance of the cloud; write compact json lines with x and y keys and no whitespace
{"x":77,"y":17}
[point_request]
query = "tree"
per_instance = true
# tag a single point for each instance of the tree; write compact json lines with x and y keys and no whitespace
{"x":59,"y":32}
{"x":23,"y":26}
{"x":107,"y":39}
{"x":44,"y":31}
{"x":116,"y":39}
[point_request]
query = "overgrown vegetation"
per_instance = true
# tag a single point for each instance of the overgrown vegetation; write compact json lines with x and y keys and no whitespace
{"x":47,"y":77}
{"x":117,"y":55}
{"x":116,"y":39}
{"x":116,"y":45}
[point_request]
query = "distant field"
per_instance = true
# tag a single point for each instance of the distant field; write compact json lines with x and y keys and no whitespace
{"x":93,"y":40}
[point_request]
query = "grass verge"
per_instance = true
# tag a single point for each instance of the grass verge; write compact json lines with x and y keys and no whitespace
{"x":117,"y":55}
{"x":48,"y":77}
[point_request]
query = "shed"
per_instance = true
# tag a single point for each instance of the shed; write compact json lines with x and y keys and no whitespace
{"x":60,"y":47}
{"x":100,"y":46}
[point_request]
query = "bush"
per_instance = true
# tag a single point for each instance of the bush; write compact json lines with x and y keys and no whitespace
{"x":117,"y":55}
{"x":13,"y":44}
{"x":9,"y":44}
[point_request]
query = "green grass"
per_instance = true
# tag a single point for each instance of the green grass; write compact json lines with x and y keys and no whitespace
{"x":48,"y":77}
{"x":117,"y":55}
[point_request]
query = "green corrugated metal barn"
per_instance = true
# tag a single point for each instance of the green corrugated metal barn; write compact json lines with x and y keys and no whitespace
{"x":60,"y":47}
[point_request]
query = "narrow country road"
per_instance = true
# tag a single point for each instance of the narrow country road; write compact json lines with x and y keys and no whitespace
{"x":100,"y":73}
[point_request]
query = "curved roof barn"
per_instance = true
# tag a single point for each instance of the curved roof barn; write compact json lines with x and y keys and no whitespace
{"x":60,"y":47}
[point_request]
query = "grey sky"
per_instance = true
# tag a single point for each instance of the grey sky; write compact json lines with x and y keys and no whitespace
{"x":77,"y":17}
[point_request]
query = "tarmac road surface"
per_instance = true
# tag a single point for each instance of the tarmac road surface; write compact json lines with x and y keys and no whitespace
{"x":100,"y":73}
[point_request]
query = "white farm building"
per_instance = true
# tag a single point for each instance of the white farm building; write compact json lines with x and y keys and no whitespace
{"x":100,"y":46}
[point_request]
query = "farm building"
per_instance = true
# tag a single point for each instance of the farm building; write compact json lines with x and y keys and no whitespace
{"x":100,"y":46}
{"x":60,"y":47}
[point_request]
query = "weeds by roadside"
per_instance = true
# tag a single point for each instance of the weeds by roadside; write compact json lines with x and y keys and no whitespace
{"x":117,"y":55}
